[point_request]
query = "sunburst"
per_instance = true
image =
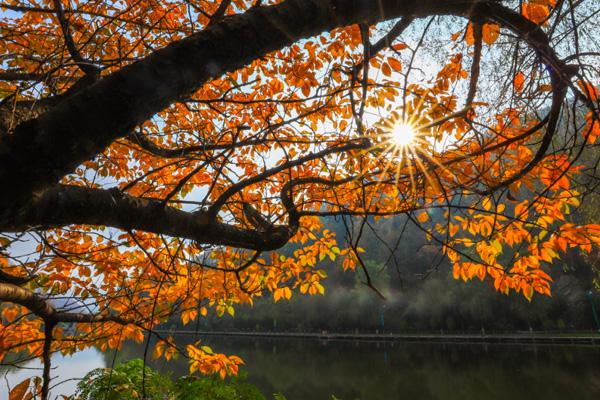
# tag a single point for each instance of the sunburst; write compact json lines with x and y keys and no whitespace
{"x":404,"y":147}
{"x":403,"y":134}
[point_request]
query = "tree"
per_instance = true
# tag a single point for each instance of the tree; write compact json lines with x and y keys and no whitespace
{"x":158,"y":154}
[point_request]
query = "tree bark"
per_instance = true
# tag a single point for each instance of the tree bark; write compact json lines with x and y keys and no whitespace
{"x":41,"y":307}
{"x":67,"y":205}
{"x":43,"y":150}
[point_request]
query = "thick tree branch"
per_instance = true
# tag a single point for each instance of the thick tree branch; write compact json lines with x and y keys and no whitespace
{"x":66,"y":205}
{"x":15,"y":280}
{"x":42,"y":308}
{"x":42,"y":151}
{"x":388,"y":39}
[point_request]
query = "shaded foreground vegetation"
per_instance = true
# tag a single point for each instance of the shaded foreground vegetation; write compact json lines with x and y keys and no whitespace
{"x":133,"y":380}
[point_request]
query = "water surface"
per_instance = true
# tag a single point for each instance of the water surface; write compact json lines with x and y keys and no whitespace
{"x":313,"y":369}
{"x":66,"y":371}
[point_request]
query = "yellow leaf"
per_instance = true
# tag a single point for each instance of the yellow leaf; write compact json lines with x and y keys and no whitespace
{"x":486,"y":204}
{"x":320,"y":288}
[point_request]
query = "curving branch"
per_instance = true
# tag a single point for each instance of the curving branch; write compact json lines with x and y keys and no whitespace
{"x":15,"y":280}
{"x":385,"y":41}
{"x":236,"y":188}
{"x":41,"y":307}
{"x":64,"y":205}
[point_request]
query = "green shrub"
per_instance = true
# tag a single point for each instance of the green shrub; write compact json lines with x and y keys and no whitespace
{"x":125,"y":382}
{"x":192,"y":388}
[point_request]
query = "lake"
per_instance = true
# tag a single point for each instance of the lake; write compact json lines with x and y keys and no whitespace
{"x":313,"y":369}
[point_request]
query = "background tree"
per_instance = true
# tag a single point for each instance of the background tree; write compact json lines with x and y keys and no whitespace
{"x":155,"y":155}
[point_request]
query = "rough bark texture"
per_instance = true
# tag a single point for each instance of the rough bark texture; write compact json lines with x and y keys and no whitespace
{"x":41,"y":151}
{"x":85,"y":124}
{"x":65,"y":205}
{"x":40,"y":307}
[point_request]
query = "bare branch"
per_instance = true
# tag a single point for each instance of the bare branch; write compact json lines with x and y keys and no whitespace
{"x":85,"y":65}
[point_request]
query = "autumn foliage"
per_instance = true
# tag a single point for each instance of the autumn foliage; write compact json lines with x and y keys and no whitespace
{"x":125,"y":211}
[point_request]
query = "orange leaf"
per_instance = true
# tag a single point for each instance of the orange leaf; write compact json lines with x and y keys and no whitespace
{"x":519,"y":81}
{"x":423,"y":217}
{"x":395,"y":64}
{"x":536,"y":12}
{"x":527,"y":291}
{"x":453,"y":229}
{"x":469,"y":37}
{"x":588,"y":89}
{"x":490,"y":33}
{"x":19,"y":391}
{"x":385,"y":68}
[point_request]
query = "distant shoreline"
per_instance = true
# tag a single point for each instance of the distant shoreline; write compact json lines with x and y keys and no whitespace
{"x":586,"y":338}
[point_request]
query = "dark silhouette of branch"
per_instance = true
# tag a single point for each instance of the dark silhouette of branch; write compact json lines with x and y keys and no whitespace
{"x":85,"y":65}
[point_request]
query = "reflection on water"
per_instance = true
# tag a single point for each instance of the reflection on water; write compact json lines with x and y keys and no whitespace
{"x":66,"y":372}
{"x":310,"y":369}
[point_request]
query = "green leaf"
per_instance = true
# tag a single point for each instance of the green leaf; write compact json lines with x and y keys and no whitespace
{"x":496,"y":244}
